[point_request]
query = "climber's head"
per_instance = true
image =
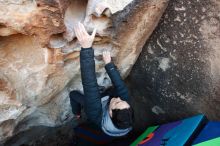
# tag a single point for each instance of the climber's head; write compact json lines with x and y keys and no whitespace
{"x":121,"y":113}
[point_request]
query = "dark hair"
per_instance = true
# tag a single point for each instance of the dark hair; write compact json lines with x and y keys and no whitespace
{"x":122,"y":118}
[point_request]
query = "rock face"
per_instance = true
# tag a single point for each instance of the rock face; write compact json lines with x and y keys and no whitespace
{"x":178,"y":71}
{"x":39,"y":54}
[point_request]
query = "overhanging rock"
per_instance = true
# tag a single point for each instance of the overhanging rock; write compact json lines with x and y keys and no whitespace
{"x":39,"y":54}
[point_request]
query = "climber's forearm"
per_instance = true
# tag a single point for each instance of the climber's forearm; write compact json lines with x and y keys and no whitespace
{"x":117,"y":81}
{"x":93,"y":103}
{"x":87,"y":66}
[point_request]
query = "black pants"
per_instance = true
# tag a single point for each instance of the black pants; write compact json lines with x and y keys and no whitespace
{"x":77,"y":99}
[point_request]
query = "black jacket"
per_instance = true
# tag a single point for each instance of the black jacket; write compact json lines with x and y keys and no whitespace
{"x":93,"y":107}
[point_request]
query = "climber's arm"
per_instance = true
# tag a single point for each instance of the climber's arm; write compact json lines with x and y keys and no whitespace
{"x":115,"y":77}
{"x":93,"y":107}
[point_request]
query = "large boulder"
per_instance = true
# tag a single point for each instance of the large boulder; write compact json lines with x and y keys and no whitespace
{"x":178,"y":72}
{"x":39,"y":53}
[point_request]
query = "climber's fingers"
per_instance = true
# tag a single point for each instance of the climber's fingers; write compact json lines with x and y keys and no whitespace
{"x":106,"y":53}
{"x":80,"y":30}
{"x":93,"y":33}
{"x":83,"y":31}
{"x":76,"y":29}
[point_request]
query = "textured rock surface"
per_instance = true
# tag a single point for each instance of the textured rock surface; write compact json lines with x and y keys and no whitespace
{"x":39,"y":54}
{"x":178,"y":71}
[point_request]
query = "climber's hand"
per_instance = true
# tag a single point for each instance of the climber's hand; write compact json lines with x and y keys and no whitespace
{"x":83,"y":37}
{"x":106,"y":57}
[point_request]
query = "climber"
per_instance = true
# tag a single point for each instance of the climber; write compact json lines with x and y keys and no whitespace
{"x":109,"y":110}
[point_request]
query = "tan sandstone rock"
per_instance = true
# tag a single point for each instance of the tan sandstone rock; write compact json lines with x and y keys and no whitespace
{"x":39,"y":54}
